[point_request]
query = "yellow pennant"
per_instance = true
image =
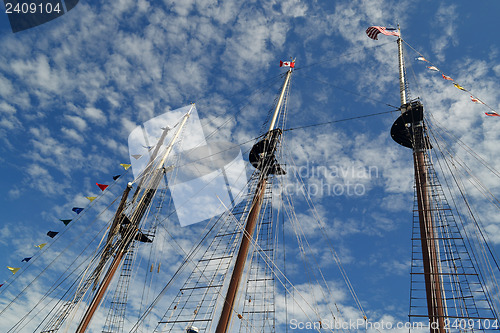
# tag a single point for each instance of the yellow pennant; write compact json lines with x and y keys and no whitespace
{"x":458,"y":86}
{"x":41,"y":245}
{"x":125,"y":166}
{"x":91,"y":198}
{"x":13,"y":269}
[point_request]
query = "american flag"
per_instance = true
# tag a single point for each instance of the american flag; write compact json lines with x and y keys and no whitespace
{"x":373,"y":32}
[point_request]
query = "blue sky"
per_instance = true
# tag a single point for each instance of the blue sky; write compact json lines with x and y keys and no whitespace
{"x":73,"y":89}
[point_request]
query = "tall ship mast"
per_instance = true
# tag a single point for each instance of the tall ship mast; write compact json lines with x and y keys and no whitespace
{"x":446,"y":286}
{"x":233,"y":277}
{"x":149,"y":265}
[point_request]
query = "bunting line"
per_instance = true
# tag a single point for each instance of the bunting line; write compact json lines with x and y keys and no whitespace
{"x":77,"y":210}
{"x":455,"y":84}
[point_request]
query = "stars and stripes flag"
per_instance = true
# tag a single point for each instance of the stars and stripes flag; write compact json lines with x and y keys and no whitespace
{"x":373,"y":32}
{"x":290,"y":64}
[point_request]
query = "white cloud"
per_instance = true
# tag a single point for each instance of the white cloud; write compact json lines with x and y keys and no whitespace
{"x":95,"y":115}
{"x":445,"y":24}
{"x":78,"y":122}
{"x":72,"y":134}
{"x":82,"y":86}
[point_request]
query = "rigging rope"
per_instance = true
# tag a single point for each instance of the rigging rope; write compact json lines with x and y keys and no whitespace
{"x":340,"y":120}
{"x":343,"y":55}
{"x":350,"y":91}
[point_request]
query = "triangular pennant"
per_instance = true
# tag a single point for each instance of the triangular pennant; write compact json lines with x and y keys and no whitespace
{"x":433,"y":68}
{"x":422,"y":59}
{"x":41,"y":246}
{"x":66,"y":222}
{"x":52,"y":234}
{"x":77,"y":210}
{"x":137,"y":156}
{"x":492,"y":114}
{"x":458,"y":86}
{"x":13,"y":269}
{"x":26,"y":259}
{"x":1,"y":284}
{"x":116,"y":177}
{"x":91,"y":198}
{"x":125,"y":166}
{"x":475,"y":100}
{"x":446,"y":77}
{"x":102,"y":186}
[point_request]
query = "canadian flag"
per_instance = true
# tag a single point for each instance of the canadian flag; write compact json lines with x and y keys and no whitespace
{"x":287,"y":64}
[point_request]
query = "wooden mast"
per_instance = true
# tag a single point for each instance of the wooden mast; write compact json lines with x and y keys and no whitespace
{"x":225,"y":317}
{"x":133,"y":223}
{"x":428,"y":236}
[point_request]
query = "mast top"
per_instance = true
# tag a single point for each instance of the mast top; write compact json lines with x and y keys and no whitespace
{"x":402,"y":79}
{"x":291,"y":65}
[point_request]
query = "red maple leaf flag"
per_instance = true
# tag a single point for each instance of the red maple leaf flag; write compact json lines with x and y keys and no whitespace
{"x":287,"y":64}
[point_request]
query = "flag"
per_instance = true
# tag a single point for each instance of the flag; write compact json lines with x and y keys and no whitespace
{"x":116,"y":177}
{"x":66,"y":222}
{"x":13,"y":269}
{"x":125,"y":166}
{"x":458,"y":86}
{"x":475,"y":100}
{"x":52,"y":234}
{"x":26,"y":259}
{"x":422,"y":59}
{"x":373,"y":32}
{"x":102,"y":186}
{"x":136,"y":157}
{"x":40,"y":246}
{"x":1,"y":285}
{"x":446,"y":77}
{"x":91,"y":198}
{"x":287,"y":64}
{"x":77,"y":210}
{"x":433,"y":68}
{"x":492,"y":114}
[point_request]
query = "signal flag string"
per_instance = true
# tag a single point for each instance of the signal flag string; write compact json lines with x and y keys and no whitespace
{"x":434,"y":68}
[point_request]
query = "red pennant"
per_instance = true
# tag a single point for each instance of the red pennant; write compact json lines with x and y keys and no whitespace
{"x":447,"y":77}
{"x":102,"y":186}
